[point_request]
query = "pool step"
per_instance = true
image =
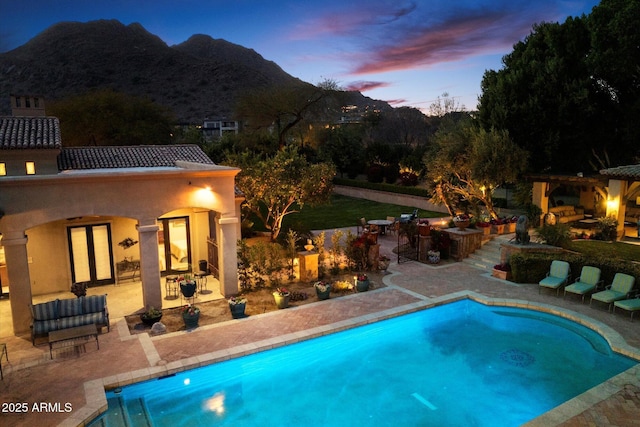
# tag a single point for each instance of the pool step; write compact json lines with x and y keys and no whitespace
{"x":130,"y":414}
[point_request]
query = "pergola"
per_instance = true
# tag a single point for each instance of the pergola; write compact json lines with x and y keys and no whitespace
{"x":615,"y":187}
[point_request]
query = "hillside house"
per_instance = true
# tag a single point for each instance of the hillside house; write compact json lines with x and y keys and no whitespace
{"x":65,"y":213}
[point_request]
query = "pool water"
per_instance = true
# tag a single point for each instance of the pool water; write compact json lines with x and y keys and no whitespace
{"x":458,"y":364}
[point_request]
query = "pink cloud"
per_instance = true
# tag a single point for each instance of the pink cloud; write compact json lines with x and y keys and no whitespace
{"x":362,"y":86}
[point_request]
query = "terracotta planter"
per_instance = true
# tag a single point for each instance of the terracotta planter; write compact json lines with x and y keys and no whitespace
{"x":485,"y":230}
{"x":511,"y":227}
{"x":461,"y":224}
{"x":499,"y":228}
{"x":500,"y":274}
{"x":424,"y":230}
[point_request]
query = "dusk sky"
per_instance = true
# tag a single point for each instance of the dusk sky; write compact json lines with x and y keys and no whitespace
{"x":403,"y":52}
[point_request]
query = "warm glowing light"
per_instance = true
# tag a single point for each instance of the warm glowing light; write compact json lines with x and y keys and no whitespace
{"x":612,"y":204}
{"x":204,"y":197}
{"x":215,"y":404}
{"x":31,"y":168}
{"x":3,"y":169}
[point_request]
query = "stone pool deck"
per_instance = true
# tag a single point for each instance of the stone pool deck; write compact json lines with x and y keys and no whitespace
{"x":71,"y":386}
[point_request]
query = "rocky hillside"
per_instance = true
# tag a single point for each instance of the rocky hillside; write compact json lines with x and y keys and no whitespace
{"x":199,"y":78}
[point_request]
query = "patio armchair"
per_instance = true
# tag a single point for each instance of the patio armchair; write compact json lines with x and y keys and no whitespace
{"x":557,"y":277}
{"x":588,"y":282}
{"x":395,"y":225}
{"x":619,"y":289}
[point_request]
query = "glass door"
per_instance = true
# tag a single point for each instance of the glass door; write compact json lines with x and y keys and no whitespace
{"x":91,"y":254}
{"x":174,"y":243}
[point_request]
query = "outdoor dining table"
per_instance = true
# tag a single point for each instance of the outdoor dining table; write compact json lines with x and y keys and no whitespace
{"x":381,"y":223}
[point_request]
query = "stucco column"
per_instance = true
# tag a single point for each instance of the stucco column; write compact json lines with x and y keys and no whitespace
{"x":540,"y":198}
{"x":15,"y":251}
{"x":228,"y":255}
{"x":149,"y":263}
{"x":615,"y":206}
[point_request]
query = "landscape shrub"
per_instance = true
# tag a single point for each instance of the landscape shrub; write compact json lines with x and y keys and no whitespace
{"x":375,"y":173}
{"x":408,"y":179}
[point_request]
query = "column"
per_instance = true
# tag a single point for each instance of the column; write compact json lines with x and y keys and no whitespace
{"x":540,"y":198}
{"x":149,"y":263}
{"x":15,"y":251}
{"x":308,"y":263}
{"x":615,"y":207}
{"x":228,"y":255}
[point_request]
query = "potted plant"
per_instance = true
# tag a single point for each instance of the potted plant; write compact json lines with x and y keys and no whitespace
{"x":323,"y":289}
{"x":281,"y":296}
{"x":151,"y":316}
{"x":461,"y":221}
{"x":424,"y":229}
{"x":362,"y":282}
{"x":511,"y":224}
{"x":433,"y":256}
{"x":188,"y":286}
{"x":79,"y":289}
{"x":485,"y":226}
{"x":497,"y":225}
{"x":191,"y":316}
{"x":383,"y":262}
{"x":237,"y":306}
{"x":502,"y":271}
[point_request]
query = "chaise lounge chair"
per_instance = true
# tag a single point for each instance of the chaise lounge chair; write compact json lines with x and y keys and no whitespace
{"x":631,"y":304}
{"x":557,"y":277}
{"x":588,"y":282}
{"x":618,"y":290}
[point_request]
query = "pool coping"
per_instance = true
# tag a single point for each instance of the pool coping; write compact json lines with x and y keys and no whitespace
{"x":95,"y":390}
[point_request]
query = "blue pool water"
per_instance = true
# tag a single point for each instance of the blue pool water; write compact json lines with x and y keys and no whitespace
{"x":458,"y":364}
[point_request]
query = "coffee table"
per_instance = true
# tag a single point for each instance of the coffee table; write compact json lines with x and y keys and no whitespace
{"x":75,"y":337}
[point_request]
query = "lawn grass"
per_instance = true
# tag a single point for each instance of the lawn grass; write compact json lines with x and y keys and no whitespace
{"x":345,"y":211}
{"x":600,"y":248}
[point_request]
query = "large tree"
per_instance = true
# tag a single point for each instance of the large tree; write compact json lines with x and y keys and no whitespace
{"x":468,"y":163}
{"x":570,"y":90}
{"x":280,"y":109}
{"x":106,"y":117}
{"x":282,"y":184}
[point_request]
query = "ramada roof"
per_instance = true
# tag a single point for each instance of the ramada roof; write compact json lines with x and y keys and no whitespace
{"x":29,"y":133}
{"x":625,"y":172}
{"x":138,"y":156}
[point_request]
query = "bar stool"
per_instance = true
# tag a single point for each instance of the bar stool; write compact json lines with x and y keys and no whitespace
{"x":201,"y":280}
{"x":171,"y":286}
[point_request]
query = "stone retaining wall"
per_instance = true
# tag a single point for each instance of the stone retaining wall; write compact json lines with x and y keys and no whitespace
{"x":393,"y":198}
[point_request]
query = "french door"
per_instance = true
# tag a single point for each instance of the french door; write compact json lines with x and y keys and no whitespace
{"x":91,"y":254}
{"x":174,"y":245}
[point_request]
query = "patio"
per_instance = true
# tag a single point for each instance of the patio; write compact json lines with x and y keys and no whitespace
{"x":79,"y":380}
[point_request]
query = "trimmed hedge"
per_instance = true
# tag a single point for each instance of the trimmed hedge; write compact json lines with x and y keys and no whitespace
{"x":533,"y":266}
{"x":391,"y":188}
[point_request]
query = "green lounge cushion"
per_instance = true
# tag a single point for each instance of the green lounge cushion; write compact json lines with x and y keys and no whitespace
{"x":580,"y":288}
{"x":629,"y":304}
{"x":619,"y":289}
{"x":552,"y":282}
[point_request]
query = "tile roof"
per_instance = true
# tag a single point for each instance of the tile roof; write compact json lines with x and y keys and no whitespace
{"x":139,"y":156}
{"x":29,"y":133}
{"x":629,"y":171}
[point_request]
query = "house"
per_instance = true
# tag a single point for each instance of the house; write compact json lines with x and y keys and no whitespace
{"x":214,"y":129}
{"x":69,"y":214}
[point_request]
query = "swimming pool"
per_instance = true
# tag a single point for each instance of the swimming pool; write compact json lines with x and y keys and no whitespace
{"x":458,"y":364}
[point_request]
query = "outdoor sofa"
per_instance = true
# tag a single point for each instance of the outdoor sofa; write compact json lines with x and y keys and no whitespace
{"x":565,"y":214}
{"x":68,"y":313}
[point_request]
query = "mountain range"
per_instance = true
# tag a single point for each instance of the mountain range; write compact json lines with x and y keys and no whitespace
{"x":197,"y":79}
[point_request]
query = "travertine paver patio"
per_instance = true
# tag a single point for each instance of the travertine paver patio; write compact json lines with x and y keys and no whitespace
{"x":33,"y":379}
